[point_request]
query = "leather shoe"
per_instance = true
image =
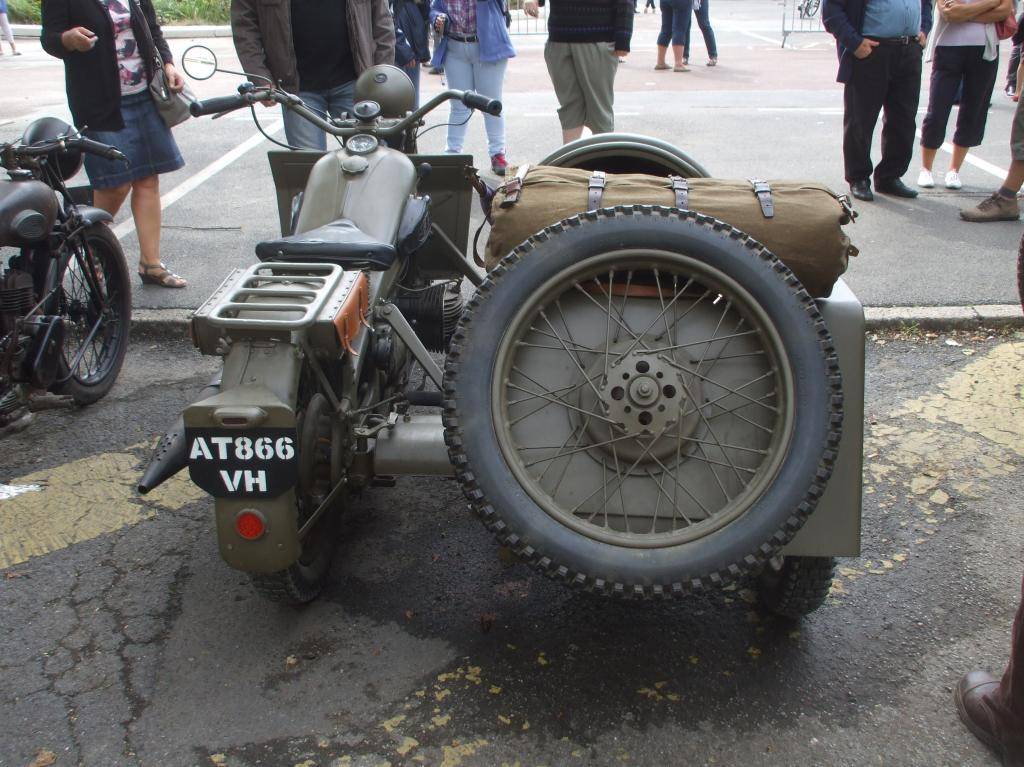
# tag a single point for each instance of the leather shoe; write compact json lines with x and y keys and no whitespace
{"x":896,"y":188}
{"x":970,"y":696}
{"x":862,"y":190}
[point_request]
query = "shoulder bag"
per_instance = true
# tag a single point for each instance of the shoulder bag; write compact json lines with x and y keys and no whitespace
{"x":172,"y":106}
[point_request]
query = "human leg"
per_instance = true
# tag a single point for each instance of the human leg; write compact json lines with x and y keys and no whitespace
{"x":341,"y":99}
{"x":899,"y":110}
{"x":572,"y":110}
{"x":979,"y":81}
{"x":489,"y":78}
{"x":595,"y":66}
{"x":665,"y":35}
{"x":1002,"y":205}
{"x":112,"y":198}
{"x":862,"y":101}
{"x":458,"y":67}
{"x":1011,"y":71}
{"x":5,"y":28}
{"x":147,"y":214}
{"x":945,"y":80}
{"x":704,"y":22}
{"x":299,"y":132}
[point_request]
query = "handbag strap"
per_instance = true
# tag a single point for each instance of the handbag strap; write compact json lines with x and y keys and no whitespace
{"x":158,"y":61}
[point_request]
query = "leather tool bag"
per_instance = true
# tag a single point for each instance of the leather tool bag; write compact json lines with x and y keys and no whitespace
{"x":800,"y":222}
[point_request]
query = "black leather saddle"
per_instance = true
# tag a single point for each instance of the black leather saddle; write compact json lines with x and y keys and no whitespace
{"x":340,"y":242}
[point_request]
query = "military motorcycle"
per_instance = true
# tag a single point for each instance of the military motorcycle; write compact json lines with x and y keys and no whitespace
{"x":638,"y":401}
{"x":65,"y":298}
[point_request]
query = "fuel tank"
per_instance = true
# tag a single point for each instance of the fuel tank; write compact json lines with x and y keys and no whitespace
{"x":370,"y":190}
{"x":28,"y":210}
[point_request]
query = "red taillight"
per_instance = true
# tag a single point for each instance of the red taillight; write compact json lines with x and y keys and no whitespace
{"x":250,"y":525}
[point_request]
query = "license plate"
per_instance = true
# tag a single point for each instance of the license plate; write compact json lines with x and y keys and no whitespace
{"x":255,"y":463}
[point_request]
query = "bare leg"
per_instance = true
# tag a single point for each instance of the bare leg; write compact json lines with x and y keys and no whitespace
{"x":662,"y":50}
{"x":1014,"y":178}
{"x":677,"y":54}
{"x":146,"y":212}
{"x":571,"y":134}
{"x":111,"y":199}
{"x":959,"y":153}
{"x":928,"y":158}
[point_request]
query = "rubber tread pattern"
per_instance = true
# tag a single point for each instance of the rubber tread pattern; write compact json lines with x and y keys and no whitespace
{"x":802,"y":587}
{"x":752,"y":563}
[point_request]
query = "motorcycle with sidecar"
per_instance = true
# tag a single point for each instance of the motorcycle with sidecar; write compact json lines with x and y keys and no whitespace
{"x":639,"y":401}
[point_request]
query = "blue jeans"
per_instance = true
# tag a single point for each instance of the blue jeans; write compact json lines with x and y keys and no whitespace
{"x":465,"y":72}
{"x":301,"y":133}
{"x":675,"y":22}
{"x":704,"y":22}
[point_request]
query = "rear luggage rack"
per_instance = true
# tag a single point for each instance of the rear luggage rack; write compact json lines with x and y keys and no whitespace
{"x":274,"y":295}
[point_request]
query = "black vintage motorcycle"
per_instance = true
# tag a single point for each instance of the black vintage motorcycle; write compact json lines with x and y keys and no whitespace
{"x":65,"y":298}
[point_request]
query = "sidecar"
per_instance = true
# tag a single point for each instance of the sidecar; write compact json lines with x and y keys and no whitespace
{"x":638,"y":402}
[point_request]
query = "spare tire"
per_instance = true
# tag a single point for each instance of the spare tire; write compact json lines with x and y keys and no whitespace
{"x":620,"y":402}
{"x":626,"y":153}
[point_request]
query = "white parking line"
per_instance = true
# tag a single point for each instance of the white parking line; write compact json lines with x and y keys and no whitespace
{"x":126,"y":227}
{"x":760,"y":37}
{"x":977,"y":162}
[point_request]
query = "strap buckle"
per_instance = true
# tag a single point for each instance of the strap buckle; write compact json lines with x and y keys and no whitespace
{"x":763,"y":191}
{"x":513,"y":188}
{"x":595,"y":190}
{"x":681,"y":187}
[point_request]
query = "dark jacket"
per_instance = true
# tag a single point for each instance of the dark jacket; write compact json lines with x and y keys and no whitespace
{"x":412,"y":21}
{"x":92,"y":80}
{"x":262,"y":30}
{"x":845,"y":19}
{"x":595,"y":21}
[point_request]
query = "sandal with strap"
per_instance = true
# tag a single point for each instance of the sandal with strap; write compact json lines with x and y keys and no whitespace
{"x":662,"y":66}
{"x":160,"y":275}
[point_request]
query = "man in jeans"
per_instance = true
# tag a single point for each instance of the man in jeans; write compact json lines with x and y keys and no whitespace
{"x":585,"y":43}
{"x":329,"y":45}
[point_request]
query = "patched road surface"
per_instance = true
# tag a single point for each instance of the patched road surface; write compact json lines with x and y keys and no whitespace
{"x":124,"y":640}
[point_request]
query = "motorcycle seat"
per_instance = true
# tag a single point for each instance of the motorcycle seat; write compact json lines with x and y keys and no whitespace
{"x":340,"y":242}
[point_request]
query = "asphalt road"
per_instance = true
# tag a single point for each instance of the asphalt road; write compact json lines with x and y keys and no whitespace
{"x":126,"y":641}
{"x":763,"y":111}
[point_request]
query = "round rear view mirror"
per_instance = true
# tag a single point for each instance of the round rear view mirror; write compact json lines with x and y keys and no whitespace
{"x":199,"y":62}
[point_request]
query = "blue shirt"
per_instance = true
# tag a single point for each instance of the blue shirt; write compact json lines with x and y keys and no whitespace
{"x":892,"y":18}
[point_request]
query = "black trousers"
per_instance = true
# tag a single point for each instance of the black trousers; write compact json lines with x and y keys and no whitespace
{"x":955,"y":64}
{"x":887,"y":81}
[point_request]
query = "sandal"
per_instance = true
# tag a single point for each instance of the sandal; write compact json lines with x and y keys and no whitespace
{"x":680,"y":68}
{"x":662,"y":66}
{"x":712,"y":62}
{"x":158,"y":274}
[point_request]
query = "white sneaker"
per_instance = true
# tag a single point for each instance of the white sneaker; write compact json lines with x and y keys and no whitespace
{"x":953,"y":180}
{"x":925,"y":179}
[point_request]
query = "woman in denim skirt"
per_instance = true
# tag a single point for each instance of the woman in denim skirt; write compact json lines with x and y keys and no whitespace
{"x":108,"y":52}
{"x":473,"y":52}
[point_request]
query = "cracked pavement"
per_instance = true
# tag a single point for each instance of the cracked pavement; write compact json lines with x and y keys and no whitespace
{"x":124,"y":640}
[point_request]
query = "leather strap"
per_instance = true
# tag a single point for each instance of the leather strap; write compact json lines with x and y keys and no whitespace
{"x":682,"y":189}
{"x":764,"y":196}
{"x":513,"y":188}
{"x":595,"y":190}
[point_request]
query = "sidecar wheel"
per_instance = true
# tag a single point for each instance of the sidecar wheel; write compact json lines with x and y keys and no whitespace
{"x":641,"y":401}
{"x":792,"y":587}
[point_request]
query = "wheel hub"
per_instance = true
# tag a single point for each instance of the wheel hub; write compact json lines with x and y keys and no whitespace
{"x":648,"y":416}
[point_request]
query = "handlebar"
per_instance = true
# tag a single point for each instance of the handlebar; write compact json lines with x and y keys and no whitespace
{"x":68,"y":143}
{"x":249,"y":95}
{"x":95,"y":147}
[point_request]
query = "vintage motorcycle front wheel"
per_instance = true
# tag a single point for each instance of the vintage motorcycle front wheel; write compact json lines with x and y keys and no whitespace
{"x":642,"y":401}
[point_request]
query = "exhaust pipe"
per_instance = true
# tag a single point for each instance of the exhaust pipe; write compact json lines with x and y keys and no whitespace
{"x":170,"y":456}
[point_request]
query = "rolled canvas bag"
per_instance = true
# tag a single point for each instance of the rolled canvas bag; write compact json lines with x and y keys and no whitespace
{"x":800,"y":222}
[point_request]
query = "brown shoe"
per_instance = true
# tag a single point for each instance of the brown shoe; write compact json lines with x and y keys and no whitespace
{"x":975,"y":711}
{"x":993,"y":208}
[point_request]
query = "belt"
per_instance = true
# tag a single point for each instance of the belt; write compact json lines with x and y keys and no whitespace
{"x":463,"y":38}
{"x":904,"y":40}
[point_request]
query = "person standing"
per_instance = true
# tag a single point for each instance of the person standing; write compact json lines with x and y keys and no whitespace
{"x":992,"y":707}
{"x":586,"y":42}
{"x":881,"y":46}
{"x":108,"y":51}
{"x":649,"y":4}
{"x":5,"y":28}
{"x":701,"y":8}
{"x":473,"y":52}
{"x":412,"y":44}
{"x":314,"y":47}
{"x":1002,"y":204}
{"x":675,"y":29}
{"x":965,"y":50}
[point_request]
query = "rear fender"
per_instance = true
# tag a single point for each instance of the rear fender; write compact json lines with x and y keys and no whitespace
{"x":242,"y":450}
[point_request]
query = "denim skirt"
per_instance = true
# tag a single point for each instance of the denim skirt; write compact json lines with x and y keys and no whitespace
{"x":145,"y":140}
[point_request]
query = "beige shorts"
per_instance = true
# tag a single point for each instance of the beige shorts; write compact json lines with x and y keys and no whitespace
{"x":1017,"y":133}
{"x":584,"y":78}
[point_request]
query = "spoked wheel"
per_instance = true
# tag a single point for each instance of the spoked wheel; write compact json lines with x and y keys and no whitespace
{"x":622,"y":402}
{"x":96,"y":304}
{"x":809,"y":8}
{"x":304,"y":580}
